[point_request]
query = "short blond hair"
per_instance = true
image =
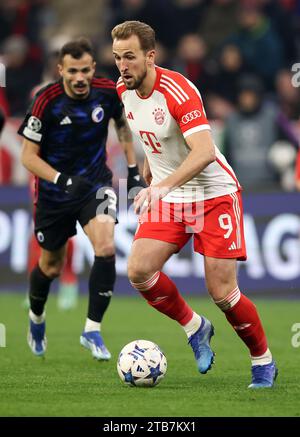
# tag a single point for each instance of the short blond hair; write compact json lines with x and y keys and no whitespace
{"x":143,"y":31}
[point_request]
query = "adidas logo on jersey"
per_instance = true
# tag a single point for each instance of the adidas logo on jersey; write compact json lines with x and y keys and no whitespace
{"x":130,"y":116}
{"x":232,"y":246}
{"x":66,"y":120}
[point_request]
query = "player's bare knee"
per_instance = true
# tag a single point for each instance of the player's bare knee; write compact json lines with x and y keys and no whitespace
{"x":220,"y":280}
{"x":220,"y":290}
{"x":132,"y":271}
{"x":52,"y":268}
{"x":104,"y":249}
{"x":139,"y":271}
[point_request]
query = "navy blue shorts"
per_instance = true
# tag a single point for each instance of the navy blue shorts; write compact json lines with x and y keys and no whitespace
{"x":54,"y":225}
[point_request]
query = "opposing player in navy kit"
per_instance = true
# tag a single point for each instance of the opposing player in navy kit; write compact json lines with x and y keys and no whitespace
{"x":65,"y":133}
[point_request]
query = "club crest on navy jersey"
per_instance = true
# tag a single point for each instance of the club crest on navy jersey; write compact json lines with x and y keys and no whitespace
{"x":98,"y":114}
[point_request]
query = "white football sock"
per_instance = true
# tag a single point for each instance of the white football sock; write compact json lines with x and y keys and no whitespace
{"x":193,"y":325}
{"x":266,"y":358}
{"x":37,"y":319}
{"x":90,"y":325}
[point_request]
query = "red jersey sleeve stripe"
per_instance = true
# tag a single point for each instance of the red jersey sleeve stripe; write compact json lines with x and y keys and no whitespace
{"x":41,"y":97}
{"x":175,"y":85}
{"x":175,"y":90}
{"x":106,"y":81}
{"x":171,"y":93}
{"x":47,"y":100}
{"x":102,"y":85}
{"x":103,"y":78}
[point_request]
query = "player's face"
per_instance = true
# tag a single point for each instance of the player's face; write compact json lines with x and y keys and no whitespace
{"x":132,"y":61}
{"x":77,"y":75}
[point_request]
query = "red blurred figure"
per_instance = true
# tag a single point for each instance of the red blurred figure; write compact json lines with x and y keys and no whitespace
{"x":5,"y":156}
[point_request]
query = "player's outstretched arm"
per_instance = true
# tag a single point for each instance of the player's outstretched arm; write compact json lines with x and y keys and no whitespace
{"x":201,"y":155}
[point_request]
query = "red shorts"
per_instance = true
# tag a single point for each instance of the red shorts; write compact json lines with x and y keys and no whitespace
{"x":216,"y":225}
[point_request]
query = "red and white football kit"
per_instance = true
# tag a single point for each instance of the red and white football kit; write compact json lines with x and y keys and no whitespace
{"x":162,"y":121}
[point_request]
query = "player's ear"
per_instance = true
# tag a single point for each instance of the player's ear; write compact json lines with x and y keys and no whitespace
{"x":60,"y":69}
{"x":150,"y":58}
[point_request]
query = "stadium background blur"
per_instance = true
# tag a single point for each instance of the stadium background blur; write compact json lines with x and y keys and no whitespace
{"x":240,"y":54}
{"x":244,"y":56}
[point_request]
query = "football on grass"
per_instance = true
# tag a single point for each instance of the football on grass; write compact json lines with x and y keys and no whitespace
{"x":141,"y":363}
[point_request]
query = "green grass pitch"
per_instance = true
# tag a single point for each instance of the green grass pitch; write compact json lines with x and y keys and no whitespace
{"x":68,"y":382}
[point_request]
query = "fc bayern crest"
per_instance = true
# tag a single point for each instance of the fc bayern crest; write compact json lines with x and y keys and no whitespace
{"x":159,"y":115}
{"x":98,"y":114}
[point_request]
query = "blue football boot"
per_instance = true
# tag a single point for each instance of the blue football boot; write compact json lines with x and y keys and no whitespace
{"x":263,"y":376}
{"x":93,"y":341}
{"x":200,"y":343}
{"x":36,"y":338}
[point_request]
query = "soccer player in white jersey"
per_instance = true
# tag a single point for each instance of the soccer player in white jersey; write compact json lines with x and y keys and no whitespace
{"x":186,"y":172}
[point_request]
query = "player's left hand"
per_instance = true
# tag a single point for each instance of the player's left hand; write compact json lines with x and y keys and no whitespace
{"x":134,"y":180}
{"x":147,"y":197}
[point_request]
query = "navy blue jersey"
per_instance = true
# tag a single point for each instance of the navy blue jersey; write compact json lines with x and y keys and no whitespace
{"x":72,"y":135}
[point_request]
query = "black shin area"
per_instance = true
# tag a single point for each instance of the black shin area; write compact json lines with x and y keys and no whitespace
{"x":39,"y":286}
{"x":101,"y":285}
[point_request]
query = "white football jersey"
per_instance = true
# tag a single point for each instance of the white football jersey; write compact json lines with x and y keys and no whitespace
{"x":162,"y":121}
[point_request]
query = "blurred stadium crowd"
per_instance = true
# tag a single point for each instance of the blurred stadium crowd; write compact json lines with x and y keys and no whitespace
{"x":240,"y":54}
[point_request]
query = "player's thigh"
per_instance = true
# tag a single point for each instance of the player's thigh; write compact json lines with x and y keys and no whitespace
{"x":147,"y":257}
{"x":220,"y":276}
{"x":100,"y":231}
{"x":51,"y":262}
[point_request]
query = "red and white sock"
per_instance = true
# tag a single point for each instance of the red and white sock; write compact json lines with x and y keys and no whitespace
{"x":162,"y":294}
{"x":241,"y":313}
